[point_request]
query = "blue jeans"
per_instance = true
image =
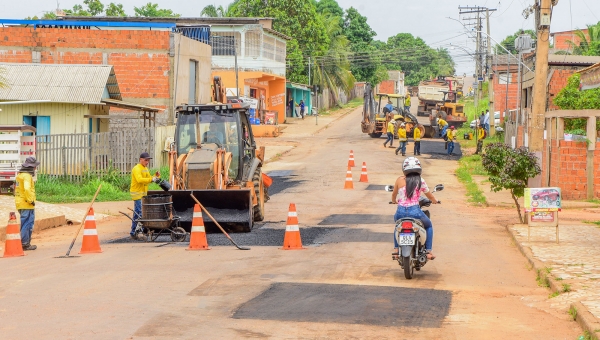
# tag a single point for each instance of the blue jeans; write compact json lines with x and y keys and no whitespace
{"x":450,"y":146}
{"x":407,"y":108}
{"x":137,"y":214}
{"x":402,"y":147}
{"x":390,"y":138}
{"x":444,"y":130}
{"x":415,"y":212}
{"x":27,"y":221}
{"x":487,"y":128}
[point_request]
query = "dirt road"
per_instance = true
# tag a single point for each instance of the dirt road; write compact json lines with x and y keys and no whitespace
{"x":344,"y":285}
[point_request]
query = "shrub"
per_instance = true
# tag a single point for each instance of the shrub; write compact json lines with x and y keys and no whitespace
{"x":510,"y":169}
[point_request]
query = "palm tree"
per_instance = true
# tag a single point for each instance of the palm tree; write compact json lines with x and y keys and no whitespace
{"x":332,"y":71}
{"x":588,"y":44}
{"x":212,"y":11}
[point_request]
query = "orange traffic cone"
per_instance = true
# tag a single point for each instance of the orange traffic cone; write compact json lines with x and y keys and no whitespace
{"x":363,"y":174}
{"x":198,"y":233}
{"x":90,"y":243}
{"x":349,"y":184}
{"x":292,"y":239}
{"x":13,"y":246}
{"x":351,"y":159}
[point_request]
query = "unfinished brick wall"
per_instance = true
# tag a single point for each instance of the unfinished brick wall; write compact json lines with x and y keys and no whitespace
{"x":568,"y":162}
{"x":558,"y":82}
{"x":500,"y":94}
{"x":140,"y":57}
{"x":561,"y":39}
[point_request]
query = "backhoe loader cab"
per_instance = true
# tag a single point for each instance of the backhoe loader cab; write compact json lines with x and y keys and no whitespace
{"x":214,"y":157}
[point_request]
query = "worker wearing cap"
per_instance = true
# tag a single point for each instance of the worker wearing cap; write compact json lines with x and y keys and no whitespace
{"x":480,"y":136}
{"x":407,"y":103}
{"x":389,"y":106}
{"x":140,"y":179}
{"x":25,"y":200}
{"x":417,"y":139}
{"x":451,"y":137}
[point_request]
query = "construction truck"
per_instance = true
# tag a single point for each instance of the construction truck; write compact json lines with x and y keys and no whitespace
{"x":214,"y":157}
{"x":438,"y":99}
{"x":376,"y":117}
{"x":17,"y":142}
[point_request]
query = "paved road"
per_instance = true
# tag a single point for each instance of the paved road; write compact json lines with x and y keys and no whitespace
{"x":343,"y":285}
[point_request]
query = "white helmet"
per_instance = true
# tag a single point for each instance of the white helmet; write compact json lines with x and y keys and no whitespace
{"x":411,"y":165}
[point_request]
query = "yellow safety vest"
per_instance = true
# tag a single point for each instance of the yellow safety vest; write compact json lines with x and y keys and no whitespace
{"x":480,"y":133}
{"x":402,"y":134}
{"x":391,"y":127}
{"x":24,"y":191}
{"x":442,"y":123}
{"x":140,"y":179}
{"x":417,"y":134}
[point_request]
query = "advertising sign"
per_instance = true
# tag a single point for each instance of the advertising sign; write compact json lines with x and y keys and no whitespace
{"x":542,"y":199}
{"x":542,"y":216}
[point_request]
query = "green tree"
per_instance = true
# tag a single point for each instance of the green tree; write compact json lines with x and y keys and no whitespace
{"x":589,"y":44}
{"x":510,"y":169}
{"x":152,"y":10}
{"x":297,"y":19}
{"x":115,"y":10}
{"x":93,"y":8}
{"x":213,"y":11}
{"x":332,"y":71}
{"x":509,"y":42}
{"x":571,"y":98}
{"x":331,"y":7}
{"x":366,"y":62}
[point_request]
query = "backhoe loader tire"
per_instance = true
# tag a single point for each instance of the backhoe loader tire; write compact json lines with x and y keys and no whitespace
{"x":375,"y":135}
{"x":259,"y":190}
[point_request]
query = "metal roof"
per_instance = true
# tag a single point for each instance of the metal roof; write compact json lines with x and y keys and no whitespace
{"x":572,"y":59}
{"x":59,"y":83}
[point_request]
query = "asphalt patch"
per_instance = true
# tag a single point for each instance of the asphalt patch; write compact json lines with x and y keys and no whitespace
{"x":283,"y":183}
{"x":311,"y":236}
{"x":351,"y":304}
{"x":348,"y":219}
{"x":378,"y":187}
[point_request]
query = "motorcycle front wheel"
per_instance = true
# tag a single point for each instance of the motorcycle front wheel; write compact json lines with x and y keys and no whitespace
{"x":409,"y":269}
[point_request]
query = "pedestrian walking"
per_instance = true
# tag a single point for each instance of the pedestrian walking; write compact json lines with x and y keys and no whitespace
{"x":25,"y":200}
{"x":140,"y":179}
{"x":407,"y":103}
{"x":417,"y":139}
{"x":402,"y":140}
{"x":451,"y":134}
{"x":302,"y":106}
{"x":487,"y":122}
{"x":390,"y":134}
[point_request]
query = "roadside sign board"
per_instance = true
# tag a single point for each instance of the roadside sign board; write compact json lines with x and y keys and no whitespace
{"x":542,"y":199}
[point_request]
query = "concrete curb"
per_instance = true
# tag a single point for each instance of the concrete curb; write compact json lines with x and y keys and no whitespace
{"x":584,"y":318}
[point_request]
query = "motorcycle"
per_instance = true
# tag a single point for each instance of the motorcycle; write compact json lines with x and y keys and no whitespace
{"x":411,"y":236}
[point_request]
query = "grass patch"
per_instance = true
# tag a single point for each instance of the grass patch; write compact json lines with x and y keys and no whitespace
{"x":573,"y":313}
{"x":354,"y":103}
{"x":541,"y":281}
{"x":592,"y":222}
{"x":467,"y":166}
{"x":558,"y":278}
{"x":115,"y":187}
{"x":566,"y":287}
{"x":553,"y":295}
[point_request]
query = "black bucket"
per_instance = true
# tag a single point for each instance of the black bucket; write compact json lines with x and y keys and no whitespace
{"x":164,"y":185}
{"x":157,"y":211}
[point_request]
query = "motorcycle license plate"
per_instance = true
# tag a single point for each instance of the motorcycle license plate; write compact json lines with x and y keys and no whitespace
{"x":407,"y":239}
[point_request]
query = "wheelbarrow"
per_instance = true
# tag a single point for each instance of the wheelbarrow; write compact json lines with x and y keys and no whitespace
{"x":157,"y":219}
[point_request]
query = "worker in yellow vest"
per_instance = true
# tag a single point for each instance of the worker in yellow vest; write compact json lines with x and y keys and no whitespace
{"x":480,"y":137}
{"x":402,"y":139}
{"x":451,"y":133}
{"x":417,"y":139}
{"x":390,"y":133}
{"x":443,"y":125}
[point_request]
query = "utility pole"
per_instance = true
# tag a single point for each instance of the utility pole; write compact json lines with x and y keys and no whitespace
{"x":490,"y":76}
{"x":539,"y":86}
{"x":477,"y":70}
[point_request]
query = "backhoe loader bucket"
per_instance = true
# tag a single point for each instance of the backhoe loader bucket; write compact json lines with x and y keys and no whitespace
{"x":231,"y":208}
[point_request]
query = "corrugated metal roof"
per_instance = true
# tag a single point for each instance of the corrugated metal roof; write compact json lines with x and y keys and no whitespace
{"x":59,"y":83}
{"x":572,"y":59}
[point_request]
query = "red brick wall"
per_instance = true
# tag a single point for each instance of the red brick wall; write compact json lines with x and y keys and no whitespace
{"x":387,"y":86}
{"x":140,"y":57}
{"x":500,"y":94}
{"x":561,"y":38}
{"x":557,"y":82}
{"x":568,"y":169}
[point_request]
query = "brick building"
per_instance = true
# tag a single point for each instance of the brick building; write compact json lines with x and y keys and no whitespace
{"x":561,"y":39}
{"x":506,"y":84}
{"x":155,"y":64}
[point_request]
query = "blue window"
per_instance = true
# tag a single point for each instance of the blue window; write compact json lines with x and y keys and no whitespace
{"x":40,"y":123}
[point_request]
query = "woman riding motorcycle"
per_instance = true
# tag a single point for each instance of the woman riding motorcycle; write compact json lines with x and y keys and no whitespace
{"x":407,"y":190}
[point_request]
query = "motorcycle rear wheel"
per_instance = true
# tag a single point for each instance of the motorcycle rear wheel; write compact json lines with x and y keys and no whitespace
{"x":408,"y":267}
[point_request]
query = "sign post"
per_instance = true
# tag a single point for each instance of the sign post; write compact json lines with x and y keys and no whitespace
{"x":543,"y":205}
